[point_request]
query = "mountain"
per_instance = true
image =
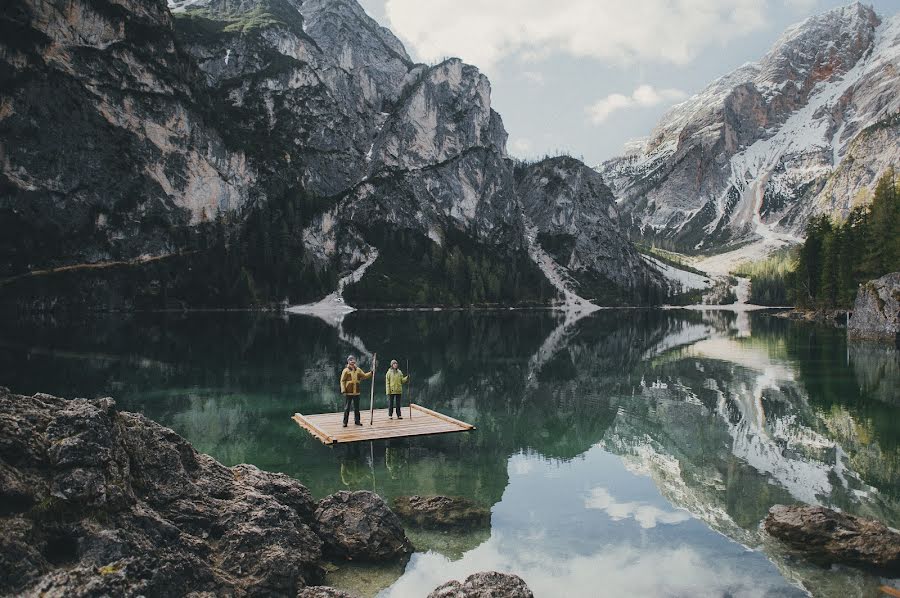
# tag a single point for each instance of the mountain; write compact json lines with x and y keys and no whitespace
{"x":212,"y":153}
{"x":806,"y":130}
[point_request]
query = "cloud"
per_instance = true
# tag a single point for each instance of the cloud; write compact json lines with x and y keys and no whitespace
{"x":534,"y":76}
{"x":613,"y":31}
{"x":646,"y":515}
{"x":643,"y":96}
{"x":521,"y":146}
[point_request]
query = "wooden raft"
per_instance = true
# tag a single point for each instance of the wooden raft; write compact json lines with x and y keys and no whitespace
{"x":329,"y":428}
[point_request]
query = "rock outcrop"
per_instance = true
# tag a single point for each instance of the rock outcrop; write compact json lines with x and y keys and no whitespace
{"x":808,"y":129}
{"x":358,"y":525}
{"x":441,"y":512}
{"x":826,"y":536}
{"x":876,"y":311}
{"x":487,"y":584}
{"x":102,"y":502}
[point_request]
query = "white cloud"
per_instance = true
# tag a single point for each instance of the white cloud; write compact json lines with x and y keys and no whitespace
{"x":520,"y":146}
{"x":646,"y":515}
{"x":534,"y":76}
{"x":643,"y":96}
{"x":613,"y":31}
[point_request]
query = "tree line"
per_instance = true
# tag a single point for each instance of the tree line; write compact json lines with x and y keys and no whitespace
{"x":838,"y":256}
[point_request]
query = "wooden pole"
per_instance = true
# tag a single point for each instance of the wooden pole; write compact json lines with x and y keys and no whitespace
{"x":409,"y":389}
{"x":372,"y":398}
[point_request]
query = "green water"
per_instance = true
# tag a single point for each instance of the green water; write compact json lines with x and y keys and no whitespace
{"x":632,"y":452}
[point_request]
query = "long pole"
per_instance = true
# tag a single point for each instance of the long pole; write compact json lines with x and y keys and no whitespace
{"x":372,"y":398}
{"x":409,"y":389}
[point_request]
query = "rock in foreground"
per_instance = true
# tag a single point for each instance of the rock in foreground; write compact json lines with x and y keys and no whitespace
{"x":826,"y":537}
{"x":94,"y":501}
{"x":358,"y":525}
{"x":441,"y":512}
{"x":487,"y":584}
{"x":876,"y":311}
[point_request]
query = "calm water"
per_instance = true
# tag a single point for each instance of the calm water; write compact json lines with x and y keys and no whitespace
{"x":628,"y":453}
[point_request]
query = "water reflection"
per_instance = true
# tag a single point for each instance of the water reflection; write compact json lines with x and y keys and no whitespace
{"x":637,"y":447}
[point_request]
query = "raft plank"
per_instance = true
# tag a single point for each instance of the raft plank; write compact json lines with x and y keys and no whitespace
{"x":328,"y":427}
{"x":304,"y":423}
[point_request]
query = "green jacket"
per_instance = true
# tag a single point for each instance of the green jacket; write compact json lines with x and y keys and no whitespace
{"x":394,"y":381}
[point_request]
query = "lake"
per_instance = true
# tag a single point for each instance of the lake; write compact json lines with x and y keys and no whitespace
{"x":631,"y":452}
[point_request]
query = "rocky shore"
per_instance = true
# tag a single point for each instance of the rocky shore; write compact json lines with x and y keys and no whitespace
{"x":98,"y":501}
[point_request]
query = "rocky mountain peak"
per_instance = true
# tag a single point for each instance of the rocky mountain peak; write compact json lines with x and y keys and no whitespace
{"x":821,"y":47}
{"x":759,"y":150}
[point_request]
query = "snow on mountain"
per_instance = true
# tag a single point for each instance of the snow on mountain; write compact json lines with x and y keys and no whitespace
{"x":805,"y":130}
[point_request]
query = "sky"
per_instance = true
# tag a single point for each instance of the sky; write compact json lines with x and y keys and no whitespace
{"x":583,"y":77}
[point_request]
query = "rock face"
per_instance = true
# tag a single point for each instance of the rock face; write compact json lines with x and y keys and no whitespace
{"x":270,"y":146}
{"x":441,"y":511}
{"x":808,"y":129}
{"x":101,"y":502}
{"x":358,"y":525}
{"x":876,"y":311}
{"x":827,"y":536}
{"x":488,"y":584}
{"x":576,"y":221}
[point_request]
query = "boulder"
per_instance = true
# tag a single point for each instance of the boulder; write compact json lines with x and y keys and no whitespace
{"x":876,"y":311}
{"x":826,"y":536}
{"x":441,"y":512}
{"x":360,"y":526}
{"x":487,"y":584}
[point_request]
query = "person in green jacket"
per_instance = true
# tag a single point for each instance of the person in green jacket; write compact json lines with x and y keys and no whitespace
{"x":393,"y":388}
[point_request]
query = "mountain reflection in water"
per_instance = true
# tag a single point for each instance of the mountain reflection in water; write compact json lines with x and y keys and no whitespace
{"x":630,"y":452}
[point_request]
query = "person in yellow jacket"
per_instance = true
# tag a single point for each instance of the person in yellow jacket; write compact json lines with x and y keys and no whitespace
{"x":393,"y":388}
{"x":350,"y":379}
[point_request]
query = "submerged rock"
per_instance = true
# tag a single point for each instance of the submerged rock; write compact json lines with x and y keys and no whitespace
{"x":826,"y":536}
{"x":441,"y":511}
{"x":487,"y":584}
{"x":101,"y":502}
{"x":876,"y":311}
{"x":360,"y":526}
{"x":323,"y":592}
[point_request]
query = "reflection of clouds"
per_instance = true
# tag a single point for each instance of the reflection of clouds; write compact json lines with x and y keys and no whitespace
{"x":521,"y":466}
{"x":646,"y":515}
{"x":614,"y":571}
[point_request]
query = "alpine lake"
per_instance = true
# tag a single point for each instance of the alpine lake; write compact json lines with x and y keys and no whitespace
{"x":625,"y":453}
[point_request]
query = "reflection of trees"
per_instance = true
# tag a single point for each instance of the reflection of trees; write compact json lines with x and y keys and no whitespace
{"x":877,"y":370}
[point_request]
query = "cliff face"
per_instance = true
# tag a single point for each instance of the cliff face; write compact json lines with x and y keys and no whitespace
{"x":270,"y":146}
{"x":105,"y":139}
{"x":805,"y":130}
{"x":576,"y":222}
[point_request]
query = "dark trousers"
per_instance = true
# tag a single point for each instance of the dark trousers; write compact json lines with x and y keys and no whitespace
{"x":351,"y":400}
{"x":394,"y":401}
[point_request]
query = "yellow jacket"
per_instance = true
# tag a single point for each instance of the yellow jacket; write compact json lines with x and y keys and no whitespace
{"x":350,"y":380}
{"x":394,"y":381}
